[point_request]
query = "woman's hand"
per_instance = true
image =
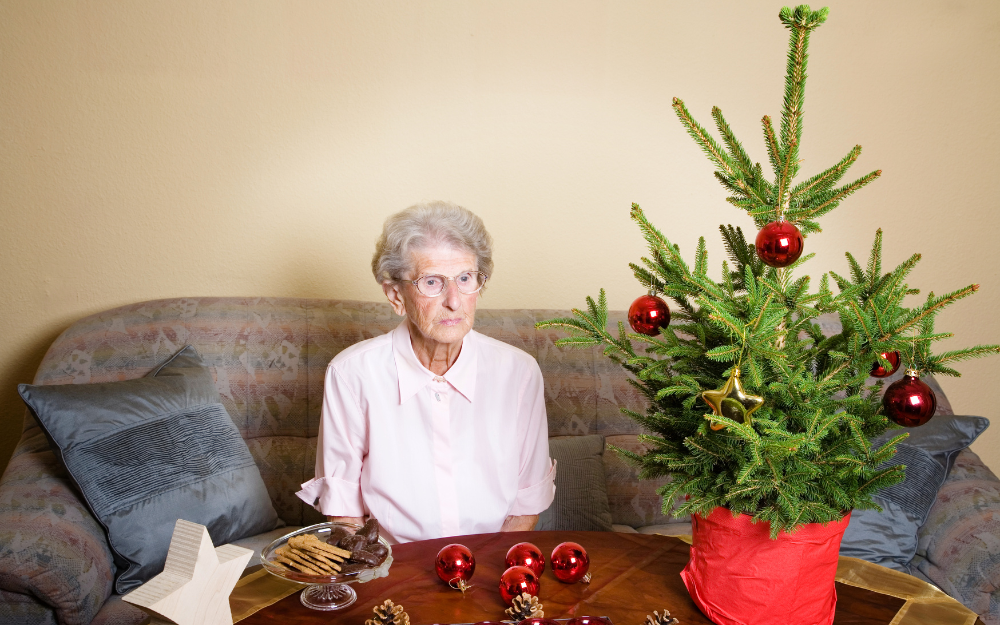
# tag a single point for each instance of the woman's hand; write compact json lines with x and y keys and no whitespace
{"x":356,"y":520}
{"x":519,"y":523}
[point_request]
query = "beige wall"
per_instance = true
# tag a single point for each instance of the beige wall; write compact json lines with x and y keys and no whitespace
{"x":189,"y":148}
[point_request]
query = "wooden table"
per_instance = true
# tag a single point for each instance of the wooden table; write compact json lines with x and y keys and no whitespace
{"x":633,"y":575}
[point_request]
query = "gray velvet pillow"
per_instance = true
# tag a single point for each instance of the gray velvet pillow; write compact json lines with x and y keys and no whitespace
{"x":581,"y":501}
{"x":889,"y":538}
{"x":149,"y":451}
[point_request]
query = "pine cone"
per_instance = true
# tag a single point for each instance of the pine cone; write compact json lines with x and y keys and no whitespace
{"x":656,"y":619}
{"x":389,"y":614}
{"x":524,"y":606}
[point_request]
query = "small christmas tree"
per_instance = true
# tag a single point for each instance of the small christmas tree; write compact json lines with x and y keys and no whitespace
{"x":790,"y":442}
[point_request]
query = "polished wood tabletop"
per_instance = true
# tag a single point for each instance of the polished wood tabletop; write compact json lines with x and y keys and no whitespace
{"x":632,"y":575}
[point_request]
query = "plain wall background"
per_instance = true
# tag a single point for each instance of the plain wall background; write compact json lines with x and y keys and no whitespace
{"x":187,"y":148}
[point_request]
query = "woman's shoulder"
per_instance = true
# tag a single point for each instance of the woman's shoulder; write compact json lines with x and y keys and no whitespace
{"x":494,"y":349}
{"x":375,"y":347}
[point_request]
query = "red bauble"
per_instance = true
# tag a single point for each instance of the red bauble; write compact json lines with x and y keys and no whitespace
{"x":588,"y":620}
{"x":909,"y":401}
{"x":526,"y":554}
{"x":879,"y":371}
{"x":517,"y":580}
{"x":455,"y":565}
{"x":779,"y":244}
{"x":569,"y":562}
{"x":538,"y":620}
{"x":648,"y":314}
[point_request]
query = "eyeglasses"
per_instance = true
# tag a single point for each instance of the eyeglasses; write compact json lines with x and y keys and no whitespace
{"x":468,"y":282}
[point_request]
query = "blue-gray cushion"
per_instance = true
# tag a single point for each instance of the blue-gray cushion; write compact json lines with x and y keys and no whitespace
{"x":149,"y":451}
{"x":581,"y":501}
{"x":889,"y":538}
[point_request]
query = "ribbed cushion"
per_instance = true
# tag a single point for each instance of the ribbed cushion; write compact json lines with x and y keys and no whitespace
{"x":581,"y":501}
{"x":889,"y":537}
{"x":152,"y":457}
{"x":149,"y":451}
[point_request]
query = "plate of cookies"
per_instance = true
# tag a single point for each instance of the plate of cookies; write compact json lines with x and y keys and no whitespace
{"x":327,"y":557}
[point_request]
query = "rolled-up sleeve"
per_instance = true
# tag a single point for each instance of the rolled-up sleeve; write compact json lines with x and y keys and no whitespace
{"x":536,"y":471}
{"x":340,"y":452}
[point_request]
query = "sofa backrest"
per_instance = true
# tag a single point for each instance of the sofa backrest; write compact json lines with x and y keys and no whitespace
{"x":269,"y":357}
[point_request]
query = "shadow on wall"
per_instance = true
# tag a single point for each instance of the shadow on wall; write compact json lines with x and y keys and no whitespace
{"x":21,"y":369}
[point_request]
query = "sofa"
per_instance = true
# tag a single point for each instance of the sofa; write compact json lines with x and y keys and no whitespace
{"x":268,"y":358}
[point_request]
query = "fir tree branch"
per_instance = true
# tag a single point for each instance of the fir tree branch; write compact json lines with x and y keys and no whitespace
{"x":773,"y":152}
{"x":715,"y":152}
{"x":799,"y":21}
{"x":788,"y":170}
{"x":834,"y":197}
{"x":965,"y":354}
{"x":828,"y":178}
{"x":933,"y":307}
{"x":875,"y":262}
{"x":712,"y":149}
{"x":736,"y":151}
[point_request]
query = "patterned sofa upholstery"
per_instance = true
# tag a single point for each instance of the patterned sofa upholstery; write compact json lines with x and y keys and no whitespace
{"x":269,"y":357}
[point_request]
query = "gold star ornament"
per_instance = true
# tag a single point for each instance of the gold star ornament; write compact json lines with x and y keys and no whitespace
{"x":731,"y":401}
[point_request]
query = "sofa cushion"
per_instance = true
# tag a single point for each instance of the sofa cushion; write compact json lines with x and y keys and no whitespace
{"x":958,"y":548}
{"x":148,"y":451}
{"x":24,"y":610}
{"x":53,"y":552}
{"x":889,"y":537}
{"x":678,"y":528}
{"x":581,"y":501}
{"x":633,"y":501}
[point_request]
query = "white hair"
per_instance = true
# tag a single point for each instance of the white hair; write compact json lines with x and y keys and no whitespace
{"x":424,"y":226}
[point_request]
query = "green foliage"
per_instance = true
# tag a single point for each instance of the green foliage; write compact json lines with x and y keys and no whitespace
{"x":806,"y":456}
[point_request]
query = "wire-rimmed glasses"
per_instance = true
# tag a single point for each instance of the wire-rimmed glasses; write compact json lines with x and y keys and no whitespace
{"x":467,"y":283}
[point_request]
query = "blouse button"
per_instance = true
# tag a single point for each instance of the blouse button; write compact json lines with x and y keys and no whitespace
{"x":437,"y":396}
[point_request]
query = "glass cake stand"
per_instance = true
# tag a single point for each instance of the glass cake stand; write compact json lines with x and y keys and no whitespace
{"x":324,"y":592}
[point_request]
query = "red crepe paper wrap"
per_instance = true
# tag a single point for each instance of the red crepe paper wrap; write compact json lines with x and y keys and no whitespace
{"x":737,"y":575}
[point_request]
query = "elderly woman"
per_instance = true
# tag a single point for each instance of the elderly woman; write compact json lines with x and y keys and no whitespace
{"x":433,"y":429}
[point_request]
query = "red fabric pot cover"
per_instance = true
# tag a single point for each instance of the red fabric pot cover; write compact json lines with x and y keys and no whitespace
{"x":737,"y":575}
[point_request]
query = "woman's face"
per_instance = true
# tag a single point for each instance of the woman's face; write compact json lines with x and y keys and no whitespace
{"x":444,"y":319}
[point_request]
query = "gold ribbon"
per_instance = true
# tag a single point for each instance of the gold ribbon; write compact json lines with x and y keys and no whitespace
{"x":256,"y":591}
{"x":925,"y":604}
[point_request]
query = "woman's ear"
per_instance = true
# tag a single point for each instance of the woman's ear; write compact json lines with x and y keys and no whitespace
{"x":393,"y":293}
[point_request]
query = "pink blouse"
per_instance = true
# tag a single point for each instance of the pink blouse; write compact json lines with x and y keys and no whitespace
{"x":432,"y":456}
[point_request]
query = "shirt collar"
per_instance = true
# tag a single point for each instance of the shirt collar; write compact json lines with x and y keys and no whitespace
{"x":413,"y":376}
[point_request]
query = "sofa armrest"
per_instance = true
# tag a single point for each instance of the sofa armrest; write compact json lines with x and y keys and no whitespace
{"x":958,"y":548}
{"x":51,"y":548}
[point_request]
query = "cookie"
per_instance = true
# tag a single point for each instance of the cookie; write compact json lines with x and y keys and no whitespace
{"x":309,"y":542}
{"x":321,"y":569}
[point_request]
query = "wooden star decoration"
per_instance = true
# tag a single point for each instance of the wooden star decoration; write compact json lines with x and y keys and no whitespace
{"x":196,"y":581}
{"x":732,"y":401}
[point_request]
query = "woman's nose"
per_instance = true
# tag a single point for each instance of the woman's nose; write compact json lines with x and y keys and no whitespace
{"x":452,"y":296}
